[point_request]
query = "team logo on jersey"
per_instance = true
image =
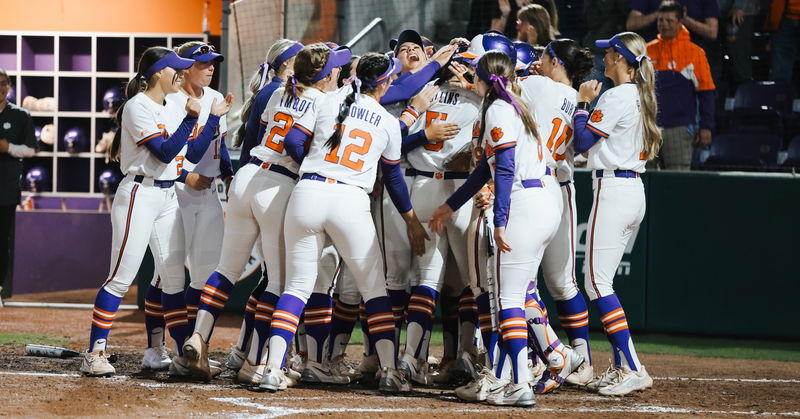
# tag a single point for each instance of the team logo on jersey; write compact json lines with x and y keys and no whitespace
{"x":7,"y":125}
{"x":597,"y":116}
{"x":497,"y":134}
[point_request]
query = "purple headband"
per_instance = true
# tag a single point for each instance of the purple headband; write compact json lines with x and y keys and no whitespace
{"x":293,"y":85}
{"x":282,"y":58}
{"x":394,"y":68}
{"x":553,"y":53}
{"x":500,"y":85}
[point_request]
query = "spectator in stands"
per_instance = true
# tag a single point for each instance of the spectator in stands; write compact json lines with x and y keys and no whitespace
{"x":604,"y":19}
{"x":784,"y":21}
{"x":533,"y":25}
{"x":683,"y":79}
{"x":550,"y":6}
{"x":701,"y":17}
{"x":494,"y":14}
{"x":737,"y":28}
{"x":17,"y":141}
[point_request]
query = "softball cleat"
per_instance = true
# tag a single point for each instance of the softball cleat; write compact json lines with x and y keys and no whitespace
{"x":513,"y":395}
{"x":236,"y":359}
{"x":156,"y":358}
{"x":339,"y":367}
{"x":314,"y":372}
{"x":627,"y":381}
{"x":554,"y":377}
{"x":95,"y":364}
{"x":250,"y":375}
{"x":273,"y":380}
{"x":415,"y":370}
{"x":195,"y":353}
{"x":180,"y":368}
{"x":582,"y":376}
{"x":392,"y":381}
{"x":369,"y":367}
{"x":479,"y":389}
{"x":604,"y":379}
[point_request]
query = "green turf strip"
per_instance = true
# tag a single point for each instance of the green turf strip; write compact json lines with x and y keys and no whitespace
{"x":26,"y":338}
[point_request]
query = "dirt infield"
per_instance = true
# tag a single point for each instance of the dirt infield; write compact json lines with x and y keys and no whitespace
{"x":32,"y":386}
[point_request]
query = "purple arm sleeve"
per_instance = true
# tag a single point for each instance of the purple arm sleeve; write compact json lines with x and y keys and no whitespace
{"x":403,"y":128}
{"x":503,"y":182}
{"x":408,"y":86}
{"x":584,"y":137}
{"x":225,"y":165}
{"x":706,"y":98}
{"x":166,"y":149}
{"x":295,"y":144}
{"x":471,"y":186}
{"x":199,"y":145}
{"x":412,"y":141}
{"x":395,"y":184}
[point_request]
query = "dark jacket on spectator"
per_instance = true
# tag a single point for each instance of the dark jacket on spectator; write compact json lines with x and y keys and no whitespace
{"x":604,"y":19}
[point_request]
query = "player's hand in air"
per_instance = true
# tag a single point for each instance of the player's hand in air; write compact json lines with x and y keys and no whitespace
{"x":439,"y":217}
{"x":198,"y":182}
{"x":424,"y":99}
{"x":416,"y":233}
{"x":193,"y":108}
{"x":535,"y":68}
{"x":222,"y":108}
{"x":589,"y":90}
{"x":443,"y":55}
{"x":500,"y":239}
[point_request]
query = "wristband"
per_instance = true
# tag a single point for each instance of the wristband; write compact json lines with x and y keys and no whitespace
{"x":583,"y":106}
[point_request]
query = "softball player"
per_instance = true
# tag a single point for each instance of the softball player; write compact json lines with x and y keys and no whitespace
{"x":526,"y":215}
{"x":145,"y":206}
{"x":552,"y":97}
{"x":257,"y":202}
{"x":620,"y":135}
{"x":331,"y":199}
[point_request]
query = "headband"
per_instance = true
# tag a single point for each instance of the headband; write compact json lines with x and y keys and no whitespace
{"x":170,"y":60}
{"x":500,"y":85}
{"x":277,"y":62}
{"x":553,"y":53}
{"x":394,"y":68}
{"x":619,"y":46}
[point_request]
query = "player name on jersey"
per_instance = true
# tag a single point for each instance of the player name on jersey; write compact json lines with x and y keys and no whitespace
{"x":297,"y":104}
{"x":448,"y":98}
{"x":363,"y":114}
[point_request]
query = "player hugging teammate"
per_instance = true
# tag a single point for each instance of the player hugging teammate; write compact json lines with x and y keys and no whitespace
{"x":355,"y":191}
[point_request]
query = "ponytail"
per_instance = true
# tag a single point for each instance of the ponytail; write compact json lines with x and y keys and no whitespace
{"x":336,"y":138}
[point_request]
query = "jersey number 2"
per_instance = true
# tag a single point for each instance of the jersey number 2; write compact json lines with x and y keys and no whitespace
{"x":280,"y":131}
{"x":345,"y":160}
{"x":554,"y":143}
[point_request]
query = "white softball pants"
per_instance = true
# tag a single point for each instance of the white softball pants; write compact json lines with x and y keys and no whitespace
{"x":558,"y":262}
{"x":203,"y":226}
{"x":396,"y":249}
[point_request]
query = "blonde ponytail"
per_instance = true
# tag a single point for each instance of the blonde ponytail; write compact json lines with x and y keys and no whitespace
{"x":645,"y":79}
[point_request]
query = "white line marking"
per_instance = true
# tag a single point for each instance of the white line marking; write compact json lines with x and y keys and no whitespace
{"x":732,"y":380}
{"x":37,"y":374}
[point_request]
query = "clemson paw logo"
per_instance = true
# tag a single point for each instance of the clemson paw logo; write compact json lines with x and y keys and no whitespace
{"x":597,"y":116}
{"x":497,"y":134}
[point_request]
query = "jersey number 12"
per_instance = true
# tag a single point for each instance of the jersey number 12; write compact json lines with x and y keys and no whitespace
{"x":345,"y":160}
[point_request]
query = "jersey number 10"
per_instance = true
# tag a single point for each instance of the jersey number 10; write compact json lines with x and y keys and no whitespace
{"x":553,"y":143}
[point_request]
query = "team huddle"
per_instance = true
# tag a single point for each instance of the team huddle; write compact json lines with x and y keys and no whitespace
{"x":375,"y":187}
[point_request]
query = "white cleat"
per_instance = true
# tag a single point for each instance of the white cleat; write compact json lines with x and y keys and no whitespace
{"x":235,"y":359}
{"x":292,"y":377}
{"x":554,"y":377}
{"x":95,"y":364}
{"x":339,"y":367}
{"x":627,"y":381}
{"x":274,"y":379}
{"x":179,"y":367}
{"x":480,"y":388}
{"x":315,"y":372}
{"x":415,"y":370}
{"x":250,"y":375}
{"x":195,"y":354}
{"x":513,"y":395}
{"x":582,"y":376}
{"x":156,"y":358}
{"x":604,"y":379}
{"x":392,"y":381}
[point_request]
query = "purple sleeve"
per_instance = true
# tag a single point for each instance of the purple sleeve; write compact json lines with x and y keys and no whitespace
{"x":706,"y":98}
{"x":471,"y":186}
{"x":583,"y":137}
{"x":395,"y":184}
{"x":225,"y":165}
{"x":403,"y":128}
{"x":503,"y":182}
{"x":412,"y":141}
{"x":295,"y":144}
{"x":254,"y":131}
{"x":166,"y":149}
{"x":197,"y":147}
{"x":406,"y":87}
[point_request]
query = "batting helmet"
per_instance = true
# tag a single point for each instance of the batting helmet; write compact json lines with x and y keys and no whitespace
{"x":112,"y":99}
{"x":37,"y":179}
{"x":74,"y":140}
{"x":489,"y":41}
{"x":526,"y":56}
{"x":108,"y":181}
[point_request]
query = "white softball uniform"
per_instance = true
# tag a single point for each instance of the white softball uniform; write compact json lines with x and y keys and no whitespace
{"x":616,"y":161}
{"x":201,"y":211}
{"x":480,"y":264}
{"x":332,"y":200}
{"x":145,"y":210}
{"x":433,"y":184}
{"x":552,"y":104}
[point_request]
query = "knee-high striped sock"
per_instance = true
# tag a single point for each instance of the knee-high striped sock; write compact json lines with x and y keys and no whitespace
{"x":381,"y":330}
{"x":399,"y":299}
{"x":246,"y":331}
{"x":175,"y":318}
{"x":192,"y":297}
{"x":615,"y":324}
{"x":344,"y":318}
{"x":450,"y":326}
{"x":362,"y":315}
{"x":541,"y":335}
{"x":212,"y":300}
{"x":574,"y":317}
{"x":420,"y":319}
{"x":514,"y":332}
{"x":485,"y":323}
{"x":262,"y":319}
{"x":317,"y":318}
{"x":468,"y":320}
{"x":153,"y":317}
{"x":285,"y":320}
{"x":105,"y":309}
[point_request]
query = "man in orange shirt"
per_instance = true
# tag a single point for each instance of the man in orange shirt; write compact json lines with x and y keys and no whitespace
{"x":784,"y":20}
{"x":683,"y":80}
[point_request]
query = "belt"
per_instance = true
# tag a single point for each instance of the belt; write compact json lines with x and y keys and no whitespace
{"x":274,"y":167}
{"x":314,"y":176}
{"x":157,"y":183}
{"x":437,"y":175}
{"x":532,"y":183}
{"x":617,"y":173}
{"x":565,"y":183}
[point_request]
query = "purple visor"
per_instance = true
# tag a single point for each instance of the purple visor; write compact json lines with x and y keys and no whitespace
{"x":339,"y":56}
{"x":620,"y":47}
{"x":394,"y":68}
{"x":203,"y":53}
{"x":169,"y":60}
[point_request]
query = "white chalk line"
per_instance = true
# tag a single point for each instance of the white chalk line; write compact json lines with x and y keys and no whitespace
{"x":731,"y":380}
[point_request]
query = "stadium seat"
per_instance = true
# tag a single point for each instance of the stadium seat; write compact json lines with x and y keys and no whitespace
{"x":763,"y":96}
{"x":747,"y":152}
